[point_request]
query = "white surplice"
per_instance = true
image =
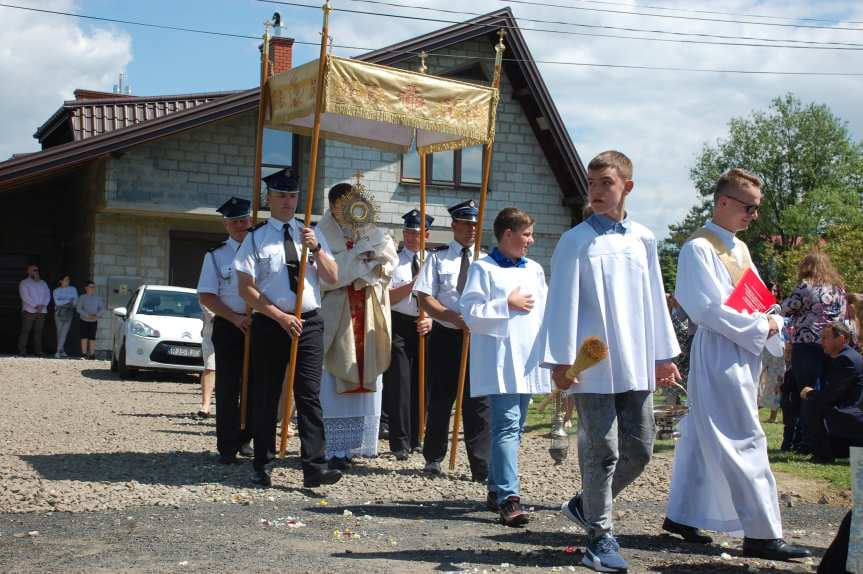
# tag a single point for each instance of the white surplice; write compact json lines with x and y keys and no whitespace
{"x":607,"y":286}
{"x":502,"y":338}
{"x":721,"y":479}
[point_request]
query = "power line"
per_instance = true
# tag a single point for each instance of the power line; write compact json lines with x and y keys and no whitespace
{"x":715,"y":12}
{"x":564,"y":32}
{"x":676,"y":17}
{"x":455,"y":56}
{"x":605,"y":27}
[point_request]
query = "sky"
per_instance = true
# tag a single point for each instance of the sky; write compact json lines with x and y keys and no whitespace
{"x":661,"y":119}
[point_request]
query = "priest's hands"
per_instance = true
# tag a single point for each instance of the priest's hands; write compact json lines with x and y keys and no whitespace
{"x":424,"y":325}
{"x":561,"y":381}
{"x":667,"y":374}
{"x":520,"y":301}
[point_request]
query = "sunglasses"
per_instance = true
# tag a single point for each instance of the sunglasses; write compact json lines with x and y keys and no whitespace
{"x":750,"y":208}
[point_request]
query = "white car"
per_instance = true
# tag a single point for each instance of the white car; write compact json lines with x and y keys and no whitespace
{"x":159,"y":328}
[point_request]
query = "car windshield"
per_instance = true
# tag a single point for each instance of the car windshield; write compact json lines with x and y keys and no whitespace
{"x":170,"y":304}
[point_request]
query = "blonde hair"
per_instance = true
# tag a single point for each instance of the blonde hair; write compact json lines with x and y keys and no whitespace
{"x":817,"y":269}
{"x":736,"y":178}
{"x":615,"y":159}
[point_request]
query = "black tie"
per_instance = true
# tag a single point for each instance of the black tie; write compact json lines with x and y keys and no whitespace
{"x":462,"y":272}
{"x":415,"y":265}
{"x":292,"y":259}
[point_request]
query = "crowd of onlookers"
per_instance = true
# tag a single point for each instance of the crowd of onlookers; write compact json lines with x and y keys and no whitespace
{"x":36,"y":299}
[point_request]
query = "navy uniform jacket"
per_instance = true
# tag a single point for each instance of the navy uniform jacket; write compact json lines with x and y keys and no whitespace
{"x":839,"y":399}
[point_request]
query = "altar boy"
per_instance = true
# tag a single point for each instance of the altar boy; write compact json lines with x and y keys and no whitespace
{"x":606,"y":283}
{"x":503,"y":303}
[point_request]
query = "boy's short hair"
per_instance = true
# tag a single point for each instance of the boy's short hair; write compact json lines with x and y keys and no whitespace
{"x":511,"y":218}
{"x":615,"y":159}
{"x":840,"y":329}
{"x":735,"y":178}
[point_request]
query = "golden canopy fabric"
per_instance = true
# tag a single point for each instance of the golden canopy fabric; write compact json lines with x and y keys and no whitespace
{"x":379,"y":106}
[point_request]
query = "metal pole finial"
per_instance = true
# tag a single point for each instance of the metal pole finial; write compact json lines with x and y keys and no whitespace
{"x":501,"y":33}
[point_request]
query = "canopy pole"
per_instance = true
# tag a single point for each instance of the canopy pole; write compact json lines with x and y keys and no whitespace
{"x":421,"y":351}
{"x":486,"y":173}
{"x":288,"y":387}
{"x":256,"y":205}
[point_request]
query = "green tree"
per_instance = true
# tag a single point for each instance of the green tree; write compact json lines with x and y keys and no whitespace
{"x":844,"y":244}
{"x":668,"y":252}
{"x":812,"y":172}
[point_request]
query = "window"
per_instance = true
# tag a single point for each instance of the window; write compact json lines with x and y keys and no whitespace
{"x":458,"y":168}
{"x":280,"y":150}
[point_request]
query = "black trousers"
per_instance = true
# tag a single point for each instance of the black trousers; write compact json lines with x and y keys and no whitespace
{"x":836,"y":555}
{"x":444,"y":357}
{"x":228,"y":341}
{"x":271,"y":346}
{"x":401,"y":384}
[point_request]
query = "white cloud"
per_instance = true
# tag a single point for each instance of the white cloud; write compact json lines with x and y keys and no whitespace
{"x":43,"y":59}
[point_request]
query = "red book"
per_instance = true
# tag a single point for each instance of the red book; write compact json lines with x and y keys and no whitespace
{"x":751,"y":294}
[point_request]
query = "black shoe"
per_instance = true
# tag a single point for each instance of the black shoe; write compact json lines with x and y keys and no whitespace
{"x":401,"y":454}
{"x":337,"y":463}
{"x":262,"y":478}
{"x":772,"y":549}
{"x":228,"y":459}
{"x":480,"y":477}
{"x":326,"y":477}
{"x":432,"y":468}
{"x":689,"y":533}
{"x":491,"y":502}
{"x":247,"y":450}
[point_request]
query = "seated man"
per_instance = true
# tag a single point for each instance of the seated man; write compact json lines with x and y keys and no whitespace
{"x":838,"y":416}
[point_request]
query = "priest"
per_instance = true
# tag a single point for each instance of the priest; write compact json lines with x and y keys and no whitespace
{"x":721,"y":479}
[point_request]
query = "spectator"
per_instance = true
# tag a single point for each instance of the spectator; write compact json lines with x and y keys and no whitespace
{"x":65,"y":297}
{"x":208,"y":375}
{"x":90,"y":306}
{"x":790,"y":403}
{"x":817,"y":301}
{"x":35,"y":297}
{"x":837,"y":418}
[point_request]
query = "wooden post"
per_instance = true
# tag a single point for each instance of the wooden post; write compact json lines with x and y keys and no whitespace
{"x":422,"y":339}
{"x":465,"y":346}
{"x":256,"y":205}
{"x":288,"y":388}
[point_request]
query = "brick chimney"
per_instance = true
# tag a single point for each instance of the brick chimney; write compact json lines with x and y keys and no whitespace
{"x":281,"y":54}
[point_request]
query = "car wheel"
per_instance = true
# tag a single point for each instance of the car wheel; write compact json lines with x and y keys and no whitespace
{"x":125,"y":371}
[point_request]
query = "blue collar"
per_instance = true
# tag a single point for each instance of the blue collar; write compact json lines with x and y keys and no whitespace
{"x":604,"y":225}
{"x":505,"y":261}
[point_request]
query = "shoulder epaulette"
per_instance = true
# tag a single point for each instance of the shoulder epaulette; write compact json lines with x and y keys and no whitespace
{"x":220,"y":245}
{"x":258,"y":225}
{"x":443,"y":247}
{"x":400,"y":249}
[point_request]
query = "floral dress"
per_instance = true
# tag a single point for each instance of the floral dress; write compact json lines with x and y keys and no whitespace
{"x":811,"y":308}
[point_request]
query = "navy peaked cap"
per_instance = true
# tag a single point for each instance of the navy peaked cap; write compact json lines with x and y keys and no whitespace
{"x":465,"y":211}
{"x":282,"y":180}
{"x":235,"y":208}
{"x":412,"y":219}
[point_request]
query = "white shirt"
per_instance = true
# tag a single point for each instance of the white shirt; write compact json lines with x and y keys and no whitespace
{"x":502,"y":338}
{"x":219,"y":277}
{"x":608,"y":286}
{"x":34,"y":294}
{"x":439,"y":277}
{"x":402,"y":275}
{"x":262,"y":257}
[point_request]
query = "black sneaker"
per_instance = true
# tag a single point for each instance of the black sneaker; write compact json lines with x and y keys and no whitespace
{"x":512,"y":514}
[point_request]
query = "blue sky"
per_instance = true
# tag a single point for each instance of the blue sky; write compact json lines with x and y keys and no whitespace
{"x":660,"y":119}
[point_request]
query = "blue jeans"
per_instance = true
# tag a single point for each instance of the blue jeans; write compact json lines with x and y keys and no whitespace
{"x":508,"y":414}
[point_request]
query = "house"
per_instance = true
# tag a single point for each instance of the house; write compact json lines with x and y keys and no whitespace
{"x":124,"y":188}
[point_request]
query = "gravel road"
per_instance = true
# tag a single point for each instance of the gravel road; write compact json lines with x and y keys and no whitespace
{"x":103,"y":475}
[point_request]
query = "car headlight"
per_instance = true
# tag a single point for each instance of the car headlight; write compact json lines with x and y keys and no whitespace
{"x":143,"y":330}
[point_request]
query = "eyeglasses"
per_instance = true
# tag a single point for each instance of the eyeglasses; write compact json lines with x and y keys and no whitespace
{"x":750,"y":208}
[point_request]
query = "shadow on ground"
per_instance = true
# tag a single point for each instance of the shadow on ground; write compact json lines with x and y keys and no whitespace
{"x":141,"y":376}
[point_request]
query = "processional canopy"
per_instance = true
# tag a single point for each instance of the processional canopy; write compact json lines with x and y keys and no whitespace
{"x":378,"y":106}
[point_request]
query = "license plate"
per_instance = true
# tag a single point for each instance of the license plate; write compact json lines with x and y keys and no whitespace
{"x":184,"y":351}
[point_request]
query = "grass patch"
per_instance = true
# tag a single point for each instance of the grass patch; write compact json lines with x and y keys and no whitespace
{"x":838,"y":474}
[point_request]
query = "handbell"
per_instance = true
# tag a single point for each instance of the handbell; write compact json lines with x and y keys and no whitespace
{"x":558,"y":448}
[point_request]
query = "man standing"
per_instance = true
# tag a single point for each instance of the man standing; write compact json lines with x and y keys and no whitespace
{"x":837,"y":413}
{"x":35,"y":297}
{"x":439,"y":288}
{"x":401,"y":380}
{"x":722,"y":479}
{"x":267,"y":266}
{"x":218,"y":292}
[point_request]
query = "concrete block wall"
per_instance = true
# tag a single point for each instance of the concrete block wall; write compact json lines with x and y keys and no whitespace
{"x":201,"y":167}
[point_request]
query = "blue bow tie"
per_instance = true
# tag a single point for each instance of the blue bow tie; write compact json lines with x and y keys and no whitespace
{"x":505,"y":261}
